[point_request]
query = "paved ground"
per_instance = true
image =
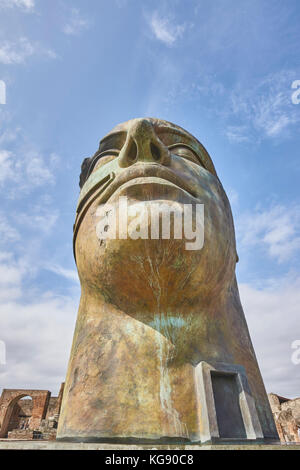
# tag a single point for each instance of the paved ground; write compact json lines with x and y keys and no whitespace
{"x":53,"y":445}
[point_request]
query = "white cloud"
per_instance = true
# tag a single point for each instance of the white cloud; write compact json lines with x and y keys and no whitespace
{"x":70,"y":274}
{"x":273,"y":315}
{"x":250,"y":111}
{"x":8,"y":136}
{"x":11,"y":274}
{"x":34,"y":167}
{"x":37,"y":328}
{"x":26,"y":5}
{"x":7,"y":232}
{"x":265,"y":108}
{"x":37,"y":172}
{"x":271,"y":114}
{"x":40,"y":219}
{"x":23,"y":164}
{"x":237,"y":134}
{"x":277,"y":230}
{"x":164,"y":30}
{"x":17,"y":52}
{"x":233,"y":196}
{"x":6,"y":169}
{"x":121,"y":3}
{"x":38,"y":339}
{"x":76,"y":24}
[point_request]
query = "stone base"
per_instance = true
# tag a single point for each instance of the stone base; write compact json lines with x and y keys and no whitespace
{"x":54,"y":445}
{"x":23,"y":435}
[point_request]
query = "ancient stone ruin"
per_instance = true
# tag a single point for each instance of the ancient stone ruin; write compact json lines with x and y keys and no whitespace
{"x":29,"y":414}
{"x":286,"y":413}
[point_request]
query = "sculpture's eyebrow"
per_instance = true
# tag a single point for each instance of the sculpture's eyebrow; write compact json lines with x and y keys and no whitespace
{"x":173,"y":130}
{"x":114,"y":140}
{"x":170,"y":130}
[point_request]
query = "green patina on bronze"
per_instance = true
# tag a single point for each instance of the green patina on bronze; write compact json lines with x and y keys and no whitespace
{"x":150,"y":310}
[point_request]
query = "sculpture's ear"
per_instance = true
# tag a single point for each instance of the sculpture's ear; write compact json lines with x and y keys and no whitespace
{"x":84,"y":171}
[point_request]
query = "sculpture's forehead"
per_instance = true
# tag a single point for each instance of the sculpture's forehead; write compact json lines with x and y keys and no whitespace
{"x":169,"y":132}
{"x":158,"y":124}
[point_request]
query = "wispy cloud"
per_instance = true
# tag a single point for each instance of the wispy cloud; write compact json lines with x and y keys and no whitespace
{"x":33,"y":360}
{"x":12,"y":272}
{"x":265,"y":108}
{"x":40,"y":220}
{"x":237,"y":134}
{"x":26,"y":5}
{"x":233,"y":196}
{"x":76,"y":23}
{"x":17,"y":52}
{"x":164,"y":29}
{"x":37,"y":171}
{"x":277,"y":230}
{"x":121,"y":3}
{"x":7,"y":232}
{"x":251,"y":111}
{"x":23,"y":164}
{"x":70,"y":274}
{"x":6,"y":166}
{"x":30,"y":171}
{"x":272,"y":312}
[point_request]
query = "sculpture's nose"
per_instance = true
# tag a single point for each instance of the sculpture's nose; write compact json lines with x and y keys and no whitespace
{"x":143,"y":145}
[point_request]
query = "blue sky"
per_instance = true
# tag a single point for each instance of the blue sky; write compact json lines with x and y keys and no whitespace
{"x":222,"y":69}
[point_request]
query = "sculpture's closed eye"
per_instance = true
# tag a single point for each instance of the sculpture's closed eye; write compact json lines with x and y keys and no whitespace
{"x":184,"y":150}
{"x":180,"y":149}
{"x":103,"y":158}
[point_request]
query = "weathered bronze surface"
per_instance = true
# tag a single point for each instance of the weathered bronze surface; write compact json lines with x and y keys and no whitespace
{"x":150,"y":310}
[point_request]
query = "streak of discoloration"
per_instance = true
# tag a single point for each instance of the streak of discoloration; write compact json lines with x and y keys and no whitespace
{"x":150,"y":310}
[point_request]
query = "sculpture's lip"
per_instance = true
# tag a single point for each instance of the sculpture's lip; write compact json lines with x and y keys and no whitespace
{"x":153,"y":170}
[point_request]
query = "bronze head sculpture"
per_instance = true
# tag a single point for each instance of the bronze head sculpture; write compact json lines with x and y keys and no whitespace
{"x":161,"y":336}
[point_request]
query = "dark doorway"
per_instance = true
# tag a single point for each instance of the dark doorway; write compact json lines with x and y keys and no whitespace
{"x":229,"y":416}
{"x":21,"y":414}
